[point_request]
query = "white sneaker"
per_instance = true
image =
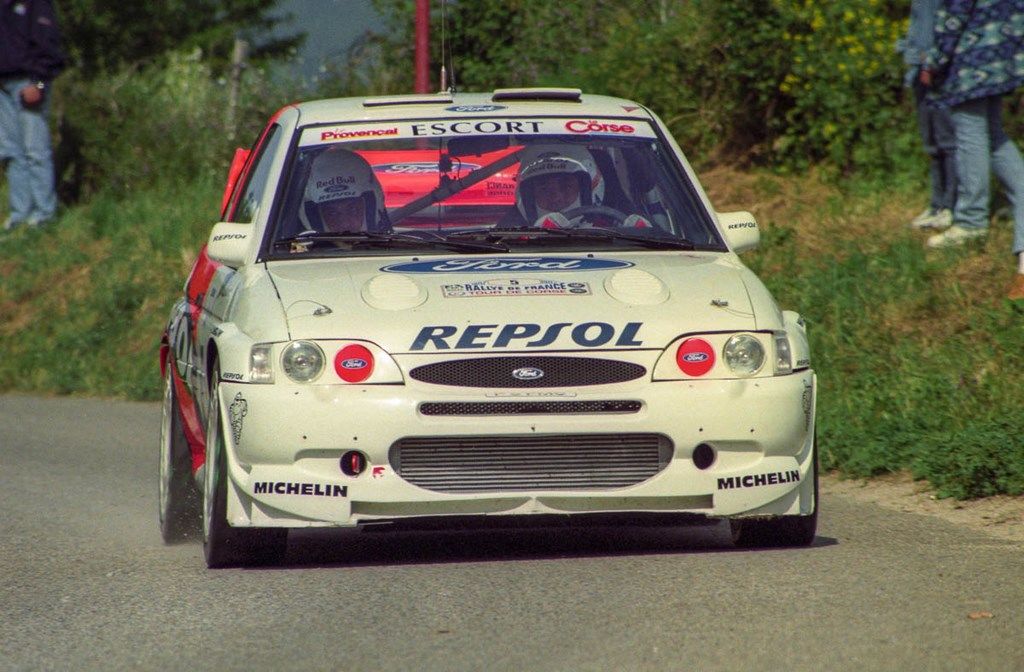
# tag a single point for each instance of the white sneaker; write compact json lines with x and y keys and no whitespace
{"x":956,"y":235}
{"x":933,"y":219}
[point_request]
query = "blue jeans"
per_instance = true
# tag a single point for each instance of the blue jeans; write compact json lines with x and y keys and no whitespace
{"x":981,"y":147}
{"x":939,"y":138}
{"x":25,"y":145}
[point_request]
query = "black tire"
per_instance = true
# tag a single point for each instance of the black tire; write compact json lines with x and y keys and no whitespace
{"x":223,"y":545}
{"x":781,"y":532}
{"x":178,"y":498}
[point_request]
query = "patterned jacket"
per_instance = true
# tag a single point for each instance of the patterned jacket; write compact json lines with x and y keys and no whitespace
{"x":979,"y":50}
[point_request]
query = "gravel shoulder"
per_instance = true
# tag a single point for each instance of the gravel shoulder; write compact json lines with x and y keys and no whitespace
{"x":1001,"y":516}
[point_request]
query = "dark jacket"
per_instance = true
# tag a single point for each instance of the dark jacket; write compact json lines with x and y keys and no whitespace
{"x":979,"y":49}
{"x":29,"y":40}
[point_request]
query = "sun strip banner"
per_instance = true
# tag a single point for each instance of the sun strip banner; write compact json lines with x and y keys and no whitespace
{"x":432,"y":128}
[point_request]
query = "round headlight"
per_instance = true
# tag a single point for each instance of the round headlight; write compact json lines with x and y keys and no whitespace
{"x":302,"y":361}
{"x":744,"y":354}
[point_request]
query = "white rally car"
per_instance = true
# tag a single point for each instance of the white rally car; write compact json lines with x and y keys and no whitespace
{"x":508,"y":304}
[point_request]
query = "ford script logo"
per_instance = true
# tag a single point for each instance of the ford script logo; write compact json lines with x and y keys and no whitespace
{"x":475,"y":108}
{"x":354,"y":363}
{"x":527,"y":373}
{"x":416,"y":168}
{"x":507,"y":265}
{"x":695,"y":357}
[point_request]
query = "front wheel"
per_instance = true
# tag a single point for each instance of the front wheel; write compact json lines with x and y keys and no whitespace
{"x":784,"y":531}
{"x":178,"y":495}
{"x":223,"y":545}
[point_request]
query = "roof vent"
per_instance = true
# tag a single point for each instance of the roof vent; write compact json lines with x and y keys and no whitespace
{"x":421,"y":99}
{"x":561,"y":95}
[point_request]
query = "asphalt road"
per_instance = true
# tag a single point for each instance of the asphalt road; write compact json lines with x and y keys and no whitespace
{"x":86,"y":583}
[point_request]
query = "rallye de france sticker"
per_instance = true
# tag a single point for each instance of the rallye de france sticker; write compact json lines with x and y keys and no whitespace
{"x":513,"y":287}
{"x":626,"y":128}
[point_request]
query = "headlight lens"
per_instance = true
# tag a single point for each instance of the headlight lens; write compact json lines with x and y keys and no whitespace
{"x":783,"y":356}
{"x":744,"y":354}
{"x":302,"y":361}
{"x":261,"y":368}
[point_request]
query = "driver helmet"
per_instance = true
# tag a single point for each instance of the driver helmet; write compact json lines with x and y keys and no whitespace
{"x":542,"y":161}
{"x":337,"y":175}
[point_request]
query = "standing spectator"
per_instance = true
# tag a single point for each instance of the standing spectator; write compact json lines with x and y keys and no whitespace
{"x":935,"y":123}
{"x":978,"y":58}
{"x":30,"y":58}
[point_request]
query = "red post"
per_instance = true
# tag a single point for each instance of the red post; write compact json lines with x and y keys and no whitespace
{"x":422,"y":46}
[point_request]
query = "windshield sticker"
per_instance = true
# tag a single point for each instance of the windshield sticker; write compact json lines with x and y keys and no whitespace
{"x":505,"y":288}
{"x":595,"y":126}
{"x":356,"y":134}
{"x":416,"y":168}
{"x":506,"y":264}
{"x":463,"y":127}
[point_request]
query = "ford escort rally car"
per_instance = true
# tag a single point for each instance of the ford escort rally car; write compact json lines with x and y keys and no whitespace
{"x":508,"y":304}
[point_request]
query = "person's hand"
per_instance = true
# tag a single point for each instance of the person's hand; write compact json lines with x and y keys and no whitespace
{"x":925,"y":77}
{"x":31,"y":95}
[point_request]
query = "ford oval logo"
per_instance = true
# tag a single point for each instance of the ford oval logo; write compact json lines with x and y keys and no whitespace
{"x":695,"y":357}
{"x":527,"y":373}
{"x":354,"y":363}
{"x":507,"y":265}
{"x":475,"y":108}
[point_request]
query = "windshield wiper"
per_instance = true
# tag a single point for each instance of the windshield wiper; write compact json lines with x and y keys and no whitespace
{"x":586,"y":233}
{"x":308,"y":239}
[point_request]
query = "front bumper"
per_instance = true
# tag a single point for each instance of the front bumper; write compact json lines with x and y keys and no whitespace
{"x":284,"y":444}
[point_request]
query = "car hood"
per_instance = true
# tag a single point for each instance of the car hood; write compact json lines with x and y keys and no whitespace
{"x":516,"y":302}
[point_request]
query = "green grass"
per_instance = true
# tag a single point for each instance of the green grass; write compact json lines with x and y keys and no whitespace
{"x":83,"y":302}
{"x":917,"y":353}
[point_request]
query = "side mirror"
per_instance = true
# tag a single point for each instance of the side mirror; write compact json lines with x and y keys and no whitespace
{"x":741,"y":232}
{"x":229,"y":243}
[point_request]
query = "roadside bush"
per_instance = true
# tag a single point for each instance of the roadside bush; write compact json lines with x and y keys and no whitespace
{"x":980,"y":460}
{"x":138,"y":128}
{"x":779,"y":82}
{"x":844,"y":80}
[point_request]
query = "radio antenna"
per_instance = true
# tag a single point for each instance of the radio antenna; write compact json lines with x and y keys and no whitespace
{"x":446,"y":57}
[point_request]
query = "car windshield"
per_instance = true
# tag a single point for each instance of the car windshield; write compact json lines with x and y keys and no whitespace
{"x":486,"y":185}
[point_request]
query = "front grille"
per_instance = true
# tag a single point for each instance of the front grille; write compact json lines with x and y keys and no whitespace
{"x":555,"y":372}
{"x":527,"y":407}
{"x":458,"y":464}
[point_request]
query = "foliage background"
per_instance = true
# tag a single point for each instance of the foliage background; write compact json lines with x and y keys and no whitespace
{"x":793,"y":109}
